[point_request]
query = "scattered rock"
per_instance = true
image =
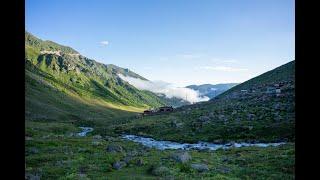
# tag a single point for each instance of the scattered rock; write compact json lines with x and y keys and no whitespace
{"x":160,"y":171}
{"x":127,"y":159}
{"x":225,"y":159}
{"x":114,"y":148}
{"x":97,"y":137}
{"x":276,"y":106}
{"x":81,"y":150}
{"x":224,"y":170}
{"x":27,"y":138}
{"x":118,"y":165}
{"x":175,"y":124}
{"x":204,"y":119}
{"x":200,"y":167}
{"x":140,"y":162}
{"x":251,"y":116}
{"x":109,"y":138}
{"x":234,"y":112}
{"x":97,"y":143}
{"x":33,"y":150}
{"x":71,"y":134}
{"x":132,"y":153}
{"x":181,"y":157}
{"x":221,"y":117}
{"x":30,"y":176}
{"x":82,"y":176}
{"x":218,"y":141}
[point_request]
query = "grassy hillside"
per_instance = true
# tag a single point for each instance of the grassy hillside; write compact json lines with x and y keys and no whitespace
{"x":66,"y":70}
{"x":246,"y":112}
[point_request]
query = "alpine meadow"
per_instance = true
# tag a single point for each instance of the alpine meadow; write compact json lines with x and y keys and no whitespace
{"x":173,"y":110}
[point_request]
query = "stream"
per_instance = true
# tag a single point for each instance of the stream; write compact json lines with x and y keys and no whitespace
{"x":162,"y":145}
{"x":84,"y":131}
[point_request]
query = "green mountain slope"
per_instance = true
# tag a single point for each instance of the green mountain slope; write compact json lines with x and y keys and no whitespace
{"x":62,"y":85}
{"x":246,"y":112}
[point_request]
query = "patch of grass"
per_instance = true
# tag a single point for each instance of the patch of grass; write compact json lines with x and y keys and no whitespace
{"x":61,"y":156}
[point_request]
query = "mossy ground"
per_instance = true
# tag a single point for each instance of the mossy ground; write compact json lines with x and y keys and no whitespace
{"x":53,"y":153}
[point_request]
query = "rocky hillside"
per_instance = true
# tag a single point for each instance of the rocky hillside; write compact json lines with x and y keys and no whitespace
{"x":261,"y":109}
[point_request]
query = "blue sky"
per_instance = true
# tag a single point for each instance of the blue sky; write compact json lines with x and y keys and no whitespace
{"x":178,"y":41}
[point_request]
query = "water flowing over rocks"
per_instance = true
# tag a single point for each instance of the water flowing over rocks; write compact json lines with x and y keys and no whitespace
{"x":85,"y":131}
{"x":162,"y":145}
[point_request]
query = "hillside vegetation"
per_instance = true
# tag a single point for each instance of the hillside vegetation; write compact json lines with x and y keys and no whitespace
{"x":64,"y":90}
{"x":59,"y":73}
{"x":251,"y":111}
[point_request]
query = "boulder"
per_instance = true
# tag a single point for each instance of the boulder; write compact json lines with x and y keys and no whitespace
{"x":30,"y":176}
{"x":276,"y":106}
{"x":176,"y":124}
{"x":110,"y":138}
{"x":160,"y":171}
{"x":118,"y":165}
{"x":133,"y":153}
{"x":234,"y":112}
{"x":96,"y":143}
{"x":114,"y":148}
{"x":204,"y":119}
{"x":97,"y":137}
{"x":224,"y":170}
{"x":127,"y":159}
{"x":181,"y":157}
{"x":251,"y":116}
{"x":221,"y":117}
{"x":27,"y":138}
{"x":200,"y":167}
{"x":33,"y":150}
{"x":140,"y":162}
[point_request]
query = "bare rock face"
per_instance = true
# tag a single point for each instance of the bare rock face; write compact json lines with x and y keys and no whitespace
{"x":181,"y":157}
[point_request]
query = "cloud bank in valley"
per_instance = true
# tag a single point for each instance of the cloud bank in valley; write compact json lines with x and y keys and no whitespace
{"x":169,"y":90}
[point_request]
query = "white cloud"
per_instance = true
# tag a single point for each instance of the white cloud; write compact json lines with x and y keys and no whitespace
{"x":104,"y":43}
{"x":189,"y":56}
{"x":165,"y":88}
{"x":223,"y":68}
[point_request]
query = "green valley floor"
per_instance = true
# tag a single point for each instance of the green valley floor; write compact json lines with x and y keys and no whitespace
{"x":53,"y":151}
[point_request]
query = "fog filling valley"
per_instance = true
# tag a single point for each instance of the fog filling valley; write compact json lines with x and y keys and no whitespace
{"x":169,"y":90}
